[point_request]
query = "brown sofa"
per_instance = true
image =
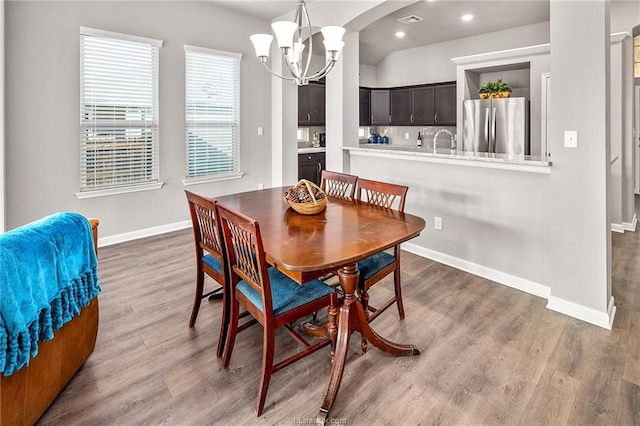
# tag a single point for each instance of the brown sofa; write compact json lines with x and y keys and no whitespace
{"x":26,"y":394}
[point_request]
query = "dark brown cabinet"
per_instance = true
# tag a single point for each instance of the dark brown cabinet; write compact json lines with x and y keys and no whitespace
{"x":445,"y":105}
{"x":428,"y":105}
{"x":423,"y":105}
{"x":365,"y":106}
{"x":380,"y":106}
{"x":401,"y":107}
{"x":310,"y":166}
{"x":311,"y":105}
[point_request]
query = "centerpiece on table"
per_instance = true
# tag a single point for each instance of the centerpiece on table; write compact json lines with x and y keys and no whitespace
{"x":306,"y":197}
{"x":495,"y":89}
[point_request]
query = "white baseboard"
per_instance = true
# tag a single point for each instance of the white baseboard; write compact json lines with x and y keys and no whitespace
{"x":481,"y":271}
{"x":142,"y":233}
{"x":631,"y":226}
{"x":617,"y":227}
{"x":584,"y":313}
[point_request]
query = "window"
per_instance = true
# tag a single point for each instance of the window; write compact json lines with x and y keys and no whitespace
{"x":119,"y":110}
{"x":212,"y":88}
{"x":303,"y":134}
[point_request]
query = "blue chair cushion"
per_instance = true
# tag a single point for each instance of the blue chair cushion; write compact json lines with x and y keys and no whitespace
{"x":286,"y":294}
{"x":212,"y":262}
{"x":372,"y":264}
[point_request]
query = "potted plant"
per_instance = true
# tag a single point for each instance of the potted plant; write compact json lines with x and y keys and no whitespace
{"x":495,"y":89}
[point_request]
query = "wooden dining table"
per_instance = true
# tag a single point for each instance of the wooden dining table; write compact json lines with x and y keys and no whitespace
{"x":306,"y":247}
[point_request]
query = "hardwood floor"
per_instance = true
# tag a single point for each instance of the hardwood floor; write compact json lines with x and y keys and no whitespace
{"x":490,"y":354}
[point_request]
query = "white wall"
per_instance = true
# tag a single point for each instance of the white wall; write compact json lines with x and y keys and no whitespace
{"x":580,"y":227}
{"x":42,"y":107}
{"x":368,"y":76}
{"x":496,"y":219}
{"x":2,"y":120}
{"x":432,"y":63}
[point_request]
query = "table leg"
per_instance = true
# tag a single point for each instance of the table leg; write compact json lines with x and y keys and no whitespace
{"x":352,"y":318}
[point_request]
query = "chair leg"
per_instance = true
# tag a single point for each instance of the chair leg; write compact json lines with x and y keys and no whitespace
{"x":233,"y":331}
{"x":267,"y":368}
{"x":198,"y":296}
{"x":396,"y":280}
{"x":224,"y":326}
{"x":364,"y":298}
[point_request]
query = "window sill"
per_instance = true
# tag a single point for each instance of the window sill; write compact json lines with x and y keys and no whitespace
{"x":116,"y":191}
{"x":208,"y":179}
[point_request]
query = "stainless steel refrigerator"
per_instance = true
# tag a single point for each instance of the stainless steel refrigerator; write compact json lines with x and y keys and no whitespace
{"x":496,"y":126}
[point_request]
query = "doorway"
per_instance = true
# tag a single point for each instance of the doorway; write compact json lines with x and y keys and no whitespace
{"x":636,"y":139}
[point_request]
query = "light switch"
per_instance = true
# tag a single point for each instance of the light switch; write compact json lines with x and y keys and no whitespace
{"x":570,"y":139}
{"x":260,"y":130}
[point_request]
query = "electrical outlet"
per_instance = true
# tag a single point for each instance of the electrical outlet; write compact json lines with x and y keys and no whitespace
{"x":260,"y":131}
{"x":437,"y":223}
{"x":406,"y":135}
{"x":260,"y":185}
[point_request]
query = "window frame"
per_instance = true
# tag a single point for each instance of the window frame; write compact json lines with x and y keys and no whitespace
{"x":86,"y":125}
{"x":235,"y":122}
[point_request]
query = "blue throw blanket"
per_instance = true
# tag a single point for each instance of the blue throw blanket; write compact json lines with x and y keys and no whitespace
{"x":48,"y":273}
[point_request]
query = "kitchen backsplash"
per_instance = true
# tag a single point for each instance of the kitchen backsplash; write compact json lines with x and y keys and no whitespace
{"x":397,"y":135}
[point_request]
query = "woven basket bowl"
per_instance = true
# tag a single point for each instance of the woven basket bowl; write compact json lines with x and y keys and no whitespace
{"x":313,"y":207}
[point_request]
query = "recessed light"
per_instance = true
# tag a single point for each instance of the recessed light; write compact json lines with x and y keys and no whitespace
{"x":466,"y":17}
{"x":400,"y":34}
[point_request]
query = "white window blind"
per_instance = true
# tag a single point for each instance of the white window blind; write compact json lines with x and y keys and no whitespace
{"x":119,"y":110}
{"x":212,"y":88}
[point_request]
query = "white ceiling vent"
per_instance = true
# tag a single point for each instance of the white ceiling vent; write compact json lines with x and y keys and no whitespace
{"x":411,"y":19}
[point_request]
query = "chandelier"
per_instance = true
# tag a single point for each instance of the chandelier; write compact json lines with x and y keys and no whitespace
{"x":291,"y":35}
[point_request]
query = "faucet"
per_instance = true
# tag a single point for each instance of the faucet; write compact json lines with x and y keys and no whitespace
{"x":452,"y":142}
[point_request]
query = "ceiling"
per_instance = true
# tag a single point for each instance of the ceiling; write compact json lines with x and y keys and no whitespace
{"x":441,"y":21}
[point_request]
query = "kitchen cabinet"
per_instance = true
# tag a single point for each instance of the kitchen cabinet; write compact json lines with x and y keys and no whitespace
{"x":311,"y":105}
{"x":310,"y":166}
{"x":364,"y":102}
{"x":423,"y":105}
{"x":445,"y":105}
{"x":380,"y":106}
{"x":413,"y":106}
{"x":426,"y":105}
{"x":401,"y":107}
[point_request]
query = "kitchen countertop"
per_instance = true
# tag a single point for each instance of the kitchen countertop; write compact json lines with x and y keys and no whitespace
{"x":311,"y":150}
{"x":452,"y":156}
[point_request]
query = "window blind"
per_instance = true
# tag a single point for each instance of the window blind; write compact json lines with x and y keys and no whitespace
{"x":119,"y":110}
{"x":212,"y":91}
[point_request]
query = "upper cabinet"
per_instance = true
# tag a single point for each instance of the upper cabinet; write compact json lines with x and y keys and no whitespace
{"x":311,"y":105}
{"x":423,"y":105}
{"x":380,"y":107}
{"x":427,"y":105}
{"x":445,"y":105}
{"x":365,"y":106}
{"x":401,"y":107}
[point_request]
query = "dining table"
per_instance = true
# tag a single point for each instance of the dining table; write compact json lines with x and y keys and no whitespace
{"x":306,"y":247}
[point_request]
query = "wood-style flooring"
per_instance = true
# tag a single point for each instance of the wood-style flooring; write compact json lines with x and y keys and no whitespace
{"x":490,"y":354}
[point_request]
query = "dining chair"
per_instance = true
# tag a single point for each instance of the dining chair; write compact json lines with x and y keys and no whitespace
{"x":210,"y":258}
{"x":339,"y":185}
{"x":374,"y":268}
{"x":271,"y":297}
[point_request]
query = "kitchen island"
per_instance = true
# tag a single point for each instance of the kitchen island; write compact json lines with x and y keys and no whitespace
{"x":523,"y":163}
{"x":491,"y":210}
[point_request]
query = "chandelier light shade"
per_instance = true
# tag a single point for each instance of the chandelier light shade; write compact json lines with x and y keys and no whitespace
{"x":290,"y":36}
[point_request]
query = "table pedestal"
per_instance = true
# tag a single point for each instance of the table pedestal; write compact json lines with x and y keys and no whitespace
{"x":351,"y":317}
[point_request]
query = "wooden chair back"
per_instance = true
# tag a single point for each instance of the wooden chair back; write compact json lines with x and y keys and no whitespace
{"x":339,"y":185}
{"x":206,"y":228}
{"x":246,"y":253}
{"x":382,"y":194}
